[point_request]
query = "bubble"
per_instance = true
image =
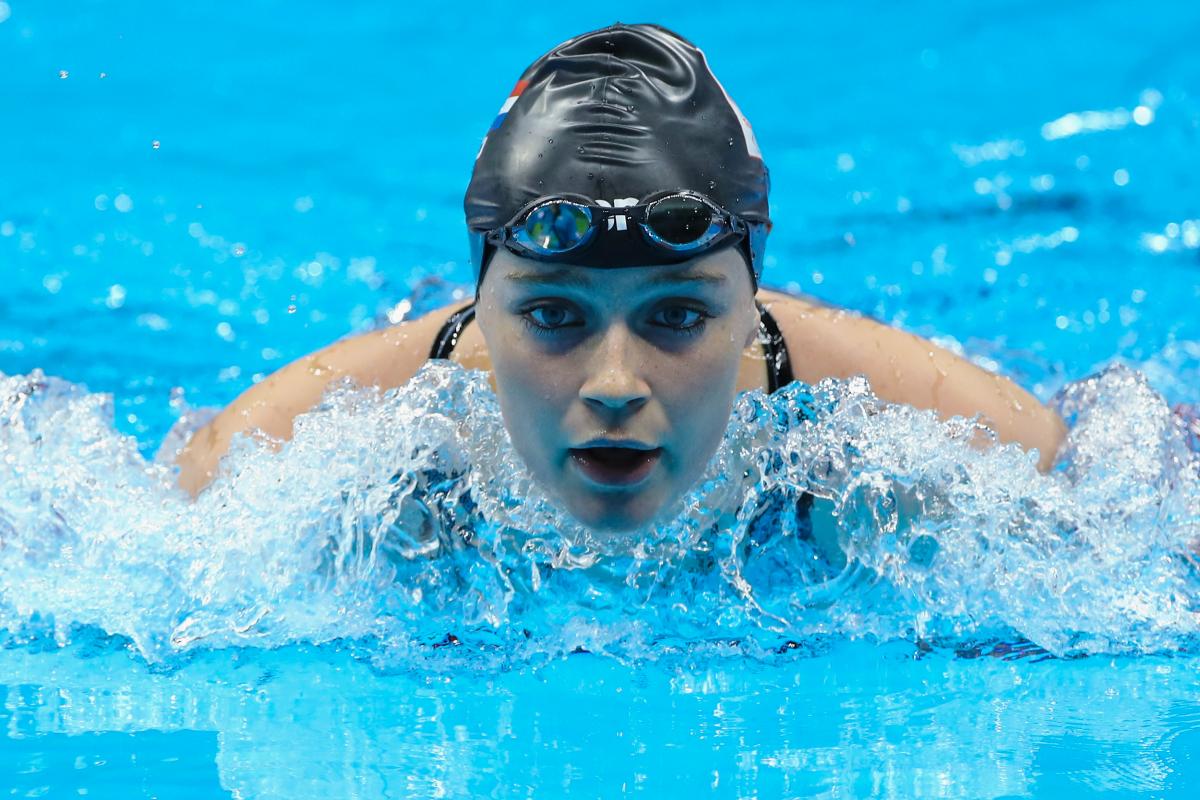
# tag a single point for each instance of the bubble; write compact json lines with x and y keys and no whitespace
{"x":116,"y":296}
{"x":1042,"y":183}
{"x":153,"y":322}
{"x":123,"y":203}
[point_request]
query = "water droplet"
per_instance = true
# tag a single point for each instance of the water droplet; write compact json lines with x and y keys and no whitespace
{"x":731,"y":141}
{"x":591,"y":175}
{"x":291,"y":309}
{"x":63,"y":74}
{"x":239,"y":249}
{"x":551,"y":140}
{"x":103,"y":75}
{"x":156,"y":144}
{"x":582,"y":151}
{"x":712,"y":184}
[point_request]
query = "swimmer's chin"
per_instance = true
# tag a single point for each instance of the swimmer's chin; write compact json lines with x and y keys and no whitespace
{"x":614,"y":527}
{"x":613,"y":513}
{"x":611,"y":519}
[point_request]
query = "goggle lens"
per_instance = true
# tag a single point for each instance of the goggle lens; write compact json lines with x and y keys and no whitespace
{"x":679,"y":220}
{"x":557,"y":227}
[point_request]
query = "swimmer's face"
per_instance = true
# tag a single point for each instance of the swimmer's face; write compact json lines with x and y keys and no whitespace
{"x":616,"y":385}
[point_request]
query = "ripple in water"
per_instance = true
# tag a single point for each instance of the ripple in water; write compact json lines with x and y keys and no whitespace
{"x":403,"y":523}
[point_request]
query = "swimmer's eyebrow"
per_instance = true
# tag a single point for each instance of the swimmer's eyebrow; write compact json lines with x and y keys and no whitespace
{"x":561,"y":277}
{"x":575,"y":277}
{"x":687,"y":276}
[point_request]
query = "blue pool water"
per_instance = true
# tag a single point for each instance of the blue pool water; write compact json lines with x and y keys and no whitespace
{"x":193,"y":196}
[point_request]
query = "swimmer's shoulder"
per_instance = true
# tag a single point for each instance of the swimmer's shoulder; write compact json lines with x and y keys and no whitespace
{"x":822,"y":339}
{"x":390,"y":356}
{"x":385,"y":359}
{"x":825,"y":341}
{"x":772,"y":298}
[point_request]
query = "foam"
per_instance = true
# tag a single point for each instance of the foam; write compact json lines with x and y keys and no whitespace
{"x":403,"y":521}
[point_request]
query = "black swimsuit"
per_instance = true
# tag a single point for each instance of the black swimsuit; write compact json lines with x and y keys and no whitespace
{"x":779,"y":366}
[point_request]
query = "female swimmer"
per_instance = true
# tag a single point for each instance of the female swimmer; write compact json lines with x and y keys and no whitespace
{"x":618,"y":215}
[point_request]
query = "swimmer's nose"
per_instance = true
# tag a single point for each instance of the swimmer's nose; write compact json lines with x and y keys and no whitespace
{"x":614,"y":381}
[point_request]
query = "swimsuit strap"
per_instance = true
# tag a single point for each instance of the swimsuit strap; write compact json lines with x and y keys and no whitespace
{"x":447,"y":338}
{"x":779,"y":364}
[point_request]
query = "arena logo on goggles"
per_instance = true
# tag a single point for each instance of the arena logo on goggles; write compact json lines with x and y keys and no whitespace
{"x":620,"y":221}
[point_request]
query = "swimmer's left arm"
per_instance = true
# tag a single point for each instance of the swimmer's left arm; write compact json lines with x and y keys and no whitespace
{"x":904,"y":368}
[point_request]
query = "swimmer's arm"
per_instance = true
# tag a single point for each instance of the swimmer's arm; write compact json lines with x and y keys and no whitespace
{"x":903,"y":368}
{"x":386,"y":358}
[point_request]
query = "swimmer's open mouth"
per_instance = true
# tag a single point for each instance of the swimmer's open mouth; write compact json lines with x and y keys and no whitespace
{"x":616,"y":466}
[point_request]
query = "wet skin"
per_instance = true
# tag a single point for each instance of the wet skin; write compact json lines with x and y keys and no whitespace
{"x":616,"y":385}
{"x":606,"y":354}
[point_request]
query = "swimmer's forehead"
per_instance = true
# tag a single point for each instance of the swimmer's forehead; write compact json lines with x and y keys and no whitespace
{"x":584,"y":277}
{"x":721,"y":272}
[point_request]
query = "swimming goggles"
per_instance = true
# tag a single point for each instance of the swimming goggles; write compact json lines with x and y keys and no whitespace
{"x":666,"y":227}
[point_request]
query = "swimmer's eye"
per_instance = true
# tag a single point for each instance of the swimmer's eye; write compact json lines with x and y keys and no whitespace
{"x":550,"y":318}
{"x":681,"y":319}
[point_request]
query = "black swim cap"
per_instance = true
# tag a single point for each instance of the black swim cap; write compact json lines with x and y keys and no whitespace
{"x":617,"y":115}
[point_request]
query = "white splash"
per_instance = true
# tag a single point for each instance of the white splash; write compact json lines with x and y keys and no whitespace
{"x":403,"y":521}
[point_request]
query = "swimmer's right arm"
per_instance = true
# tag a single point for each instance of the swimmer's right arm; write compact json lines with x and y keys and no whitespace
{"x":385,"y":358}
